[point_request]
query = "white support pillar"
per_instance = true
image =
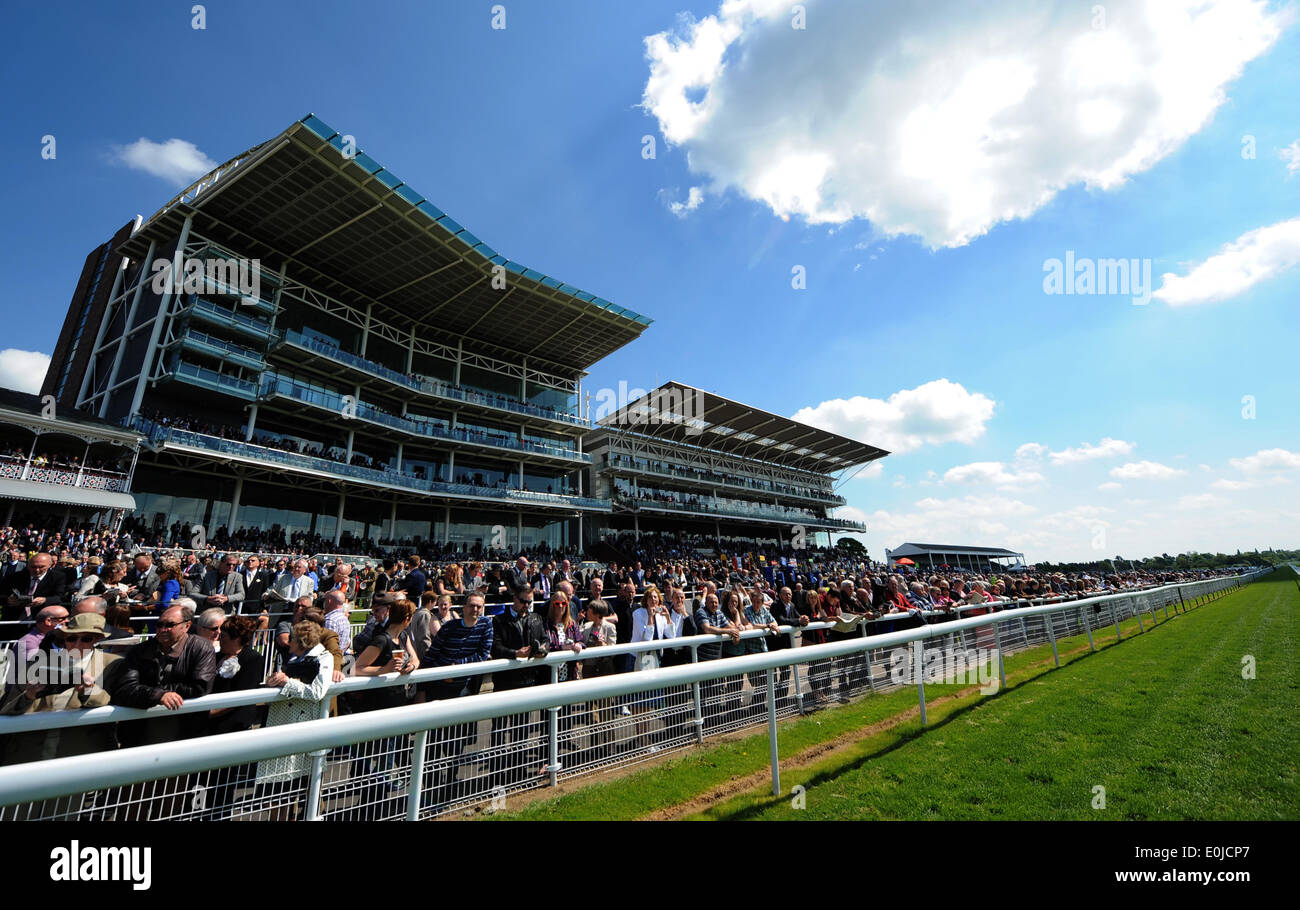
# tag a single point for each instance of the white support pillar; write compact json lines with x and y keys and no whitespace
{"x":152,"y":350}
{"x":521,"y":473}
{"x":392,"y":518}
{"x":365,"y":330}
{"x":126,"y":326}
{"x":446,"y":527}
{"x":520,"y":526}
{"x":523,"y":381}
{"x":338,"y":524}
{"x":81,"y":470}
{"x":234,"y":503}
{"x":460,"y":355}
{"x":410,"y":354}
{"x":399,"y":458}
{"x":252,"y":422}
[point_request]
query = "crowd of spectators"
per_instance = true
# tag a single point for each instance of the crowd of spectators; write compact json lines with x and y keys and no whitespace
{"x":207,"y":612}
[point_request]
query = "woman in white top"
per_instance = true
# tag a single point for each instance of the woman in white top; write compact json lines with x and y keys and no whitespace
{"x":310,"y":670}
{"x":650,"y":622}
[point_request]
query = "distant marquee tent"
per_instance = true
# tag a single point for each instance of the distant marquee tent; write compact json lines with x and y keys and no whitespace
{"x":932,"y":556}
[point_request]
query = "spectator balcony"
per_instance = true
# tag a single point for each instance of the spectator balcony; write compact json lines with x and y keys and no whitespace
{"x":161,"y":435}
{"x":622,"y":464}
{"x":751,"y":511}
{"x":357,"y":368}
{"x":285,"y":389}
{"x":34,"y":470}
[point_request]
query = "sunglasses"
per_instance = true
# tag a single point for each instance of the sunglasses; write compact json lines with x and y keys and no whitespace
{"x":83,"y":639}
{"x":170,"y":625}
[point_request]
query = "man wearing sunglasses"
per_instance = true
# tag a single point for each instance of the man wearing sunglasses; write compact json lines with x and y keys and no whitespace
{"x":166,"y":670}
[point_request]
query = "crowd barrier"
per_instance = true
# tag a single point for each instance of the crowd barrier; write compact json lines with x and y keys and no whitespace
{"x":427,"y":760}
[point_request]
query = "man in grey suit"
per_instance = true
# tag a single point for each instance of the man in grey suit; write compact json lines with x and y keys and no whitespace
{"x":223,"y":586}
{"x":294,"y":583}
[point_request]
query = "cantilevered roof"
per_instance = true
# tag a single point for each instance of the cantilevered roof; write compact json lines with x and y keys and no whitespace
{"x":924,"y":549}
{"x":349,"y":228}
{"x":680,"y":413}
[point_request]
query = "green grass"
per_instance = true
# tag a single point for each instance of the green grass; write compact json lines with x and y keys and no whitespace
{"x":1164,"y":722}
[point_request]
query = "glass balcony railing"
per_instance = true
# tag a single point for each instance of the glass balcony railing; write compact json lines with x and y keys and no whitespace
{"x":213,"y":380}
{"x":738,"y":483}
{"x":737,"y":511}
{"x":221,"y":348}
{"x":273,"y":385}
{"x":433,"y":387}
{"x":206,"y":309}
{"x":380,"y":476}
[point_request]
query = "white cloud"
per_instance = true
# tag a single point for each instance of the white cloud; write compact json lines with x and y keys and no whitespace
{"x":930,"y":414}
{"x":1267,"y":460}
{"x":1253,"y":257}
{"x":175,"y":160}
{"x":1291,"y":155}
{"x":1030,"y":451}
{"x":941,"y":119}
{"x":1109,"y":485}
{"x":23,"y":370}
{"x":1145,"y":470}
{"x":1107,"y":448}
{"x":1200,"y":501}
{"x":991,"y":473}
{"x":693,"y":200}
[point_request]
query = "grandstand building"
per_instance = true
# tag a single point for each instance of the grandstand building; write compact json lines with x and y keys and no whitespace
{"x":306,"y":342}
{"x":680,"y":459}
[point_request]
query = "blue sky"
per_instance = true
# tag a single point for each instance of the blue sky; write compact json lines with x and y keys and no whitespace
{"x":900,"y":161}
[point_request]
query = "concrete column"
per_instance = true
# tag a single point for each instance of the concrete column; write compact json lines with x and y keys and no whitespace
{"x":399,"y":457}
{"x":460,"y":355}
{"x":446,"y":528}
{"x":520,"y":526}
{"x":234,"y":502}
{"x":392,"y":518}
{"x":252,"y":422}
{"x":338,"y":524}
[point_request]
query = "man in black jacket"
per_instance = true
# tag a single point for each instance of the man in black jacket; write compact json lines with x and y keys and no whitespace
{"x":166,"y":670}
{"x":785,"y":613}
{"x":517,"y":634}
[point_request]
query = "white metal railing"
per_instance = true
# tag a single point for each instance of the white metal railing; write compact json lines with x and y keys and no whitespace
{"x":414,"y":761}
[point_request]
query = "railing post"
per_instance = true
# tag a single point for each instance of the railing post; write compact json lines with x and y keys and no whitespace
{"x":553,"y":733}
{"x":1087,"y":624}
{"x":920,"y":681}
{"x":1137,"y":612}
{"x":997,"y":642}
{"x":1119,"y":636}
{"x":794,"y":676}
{"x":1051,"y":633}
{"x":1024,"y":630}
{"x":695,"y":693}
{"x":417,"y":776}
{"x":312,"y":809}
{"x":771,"y":732}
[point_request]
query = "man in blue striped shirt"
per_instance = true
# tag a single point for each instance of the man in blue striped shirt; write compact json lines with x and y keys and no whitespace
{"x":466,"y":640}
